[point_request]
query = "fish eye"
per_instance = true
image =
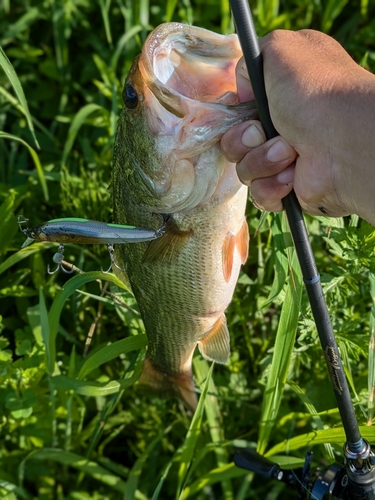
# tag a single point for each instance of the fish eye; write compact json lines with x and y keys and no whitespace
{"x":130,"y":96}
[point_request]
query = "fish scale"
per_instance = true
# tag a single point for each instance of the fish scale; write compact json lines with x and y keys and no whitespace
{"x":167,"y":160}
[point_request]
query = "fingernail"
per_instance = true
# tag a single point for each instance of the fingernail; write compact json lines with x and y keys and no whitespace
{"x":278,"y":152}
{"x":285,"y":176}
{"x":252,"y":137}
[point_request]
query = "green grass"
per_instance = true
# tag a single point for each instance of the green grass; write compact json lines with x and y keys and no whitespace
{"x":73,"y":423}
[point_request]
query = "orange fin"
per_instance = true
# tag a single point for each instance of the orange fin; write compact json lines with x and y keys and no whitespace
{"x":239,"y":241}
{"x":164,"y":385}
{"x":216,"y":345}
{"x":242,"y":242}
{"x":167,"y":248}
{"x":228,"y":254}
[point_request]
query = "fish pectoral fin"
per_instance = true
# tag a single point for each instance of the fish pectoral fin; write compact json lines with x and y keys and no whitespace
{"x":228,"y":256}
{"x":166,"y":249}
{"x":216,"y":345}
{"x":165,"y":385}
{"x":240,"y":241}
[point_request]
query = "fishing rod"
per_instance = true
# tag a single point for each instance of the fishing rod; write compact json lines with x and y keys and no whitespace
{"x":357,"y":477}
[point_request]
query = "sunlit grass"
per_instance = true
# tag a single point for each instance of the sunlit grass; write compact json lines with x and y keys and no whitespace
{"x":75,"y":426}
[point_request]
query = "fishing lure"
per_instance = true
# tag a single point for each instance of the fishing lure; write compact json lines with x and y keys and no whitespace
{"x":86,"y":231}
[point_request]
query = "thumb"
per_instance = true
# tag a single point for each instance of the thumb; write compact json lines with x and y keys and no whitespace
{"x":244,"y":89}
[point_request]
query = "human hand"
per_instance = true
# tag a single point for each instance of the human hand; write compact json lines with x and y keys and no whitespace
{"x":319,"y":100}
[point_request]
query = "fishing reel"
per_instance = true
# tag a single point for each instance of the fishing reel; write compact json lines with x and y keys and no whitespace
{"x":355,"y":480}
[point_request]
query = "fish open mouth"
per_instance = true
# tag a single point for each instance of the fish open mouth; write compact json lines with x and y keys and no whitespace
{"x":194,"y":63}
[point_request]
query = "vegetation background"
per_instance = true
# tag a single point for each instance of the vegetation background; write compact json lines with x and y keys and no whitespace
{"x":72,"y":423}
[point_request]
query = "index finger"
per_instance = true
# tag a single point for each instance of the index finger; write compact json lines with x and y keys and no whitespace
{"x":234,"y":144}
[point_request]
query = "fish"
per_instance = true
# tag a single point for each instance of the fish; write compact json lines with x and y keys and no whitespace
{"x":179,"y":99}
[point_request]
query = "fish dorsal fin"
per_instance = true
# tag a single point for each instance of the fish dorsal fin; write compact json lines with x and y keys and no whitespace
{"x":215,"y":346}
{"x":231,"y":242}
{"x":165,"y":385}
{"x":167,"y":248}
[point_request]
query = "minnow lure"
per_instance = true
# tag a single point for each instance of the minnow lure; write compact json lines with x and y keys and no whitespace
{"x":86,"y":231}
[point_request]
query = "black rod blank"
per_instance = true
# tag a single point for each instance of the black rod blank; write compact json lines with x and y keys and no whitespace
{"x":249,"y":42}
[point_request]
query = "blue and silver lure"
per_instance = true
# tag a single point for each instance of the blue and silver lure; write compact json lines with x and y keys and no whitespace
{"x":86,"y":231}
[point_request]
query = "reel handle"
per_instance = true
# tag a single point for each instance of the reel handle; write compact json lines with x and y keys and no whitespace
{"x":251,"y":460}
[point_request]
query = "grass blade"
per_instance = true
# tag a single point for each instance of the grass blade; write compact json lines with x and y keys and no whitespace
{"x":9,"y":488}
{"x":16,"y":84}
{"x":282,"y":354}
{"x":126,"y":37}
{"x":44,"y":325}
{"x":94,"y":389}
{"x":224,"y":473}
{"x":333,"y":436}
{"x":134,"y":367}
{"x":13,"y":100}
{"x":110,"y":352}
{"x":76,"y":124}
{"x":163,"y":476}
{"x":214,"y":420}
{"x":194,"y":431}
{"x":171,"y":6}
{"x":35,"y":158}
{"x":281,"y":261}
{"x":23,"y":254}
{"x":7,"y":219}
{"x":316,"y":417}
{"x":58,"y":304}
{"x":371,"y":354}
{"x":226,"y":19}
{"x":133,"y":479}
{"x":77,"y":462}
{"x":332,"y":9}
{"x":104,"y":8}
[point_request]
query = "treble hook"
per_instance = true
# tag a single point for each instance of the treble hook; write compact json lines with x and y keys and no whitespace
{"x":111,"y":251}
{"x":165,"y":219}
{"x":58,"y":259}
{"x":22,"y":220}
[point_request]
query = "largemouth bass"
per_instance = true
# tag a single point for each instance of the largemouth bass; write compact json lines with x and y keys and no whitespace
{"x":179,"y":99}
